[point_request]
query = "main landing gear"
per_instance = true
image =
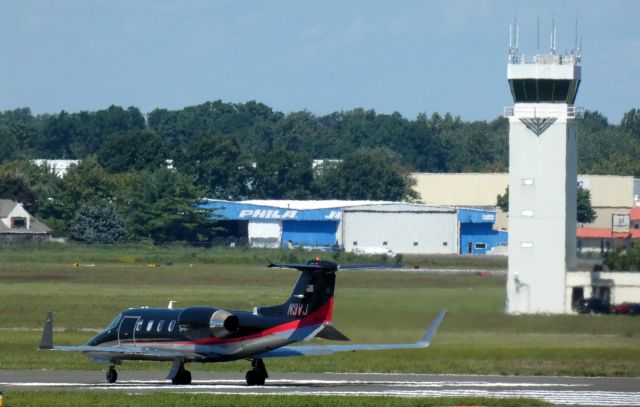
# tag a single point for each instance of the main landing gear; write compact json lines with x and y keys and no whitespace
{"x":183,"y":376}
{"x":112,"y":375}
{"x":258,"y":373}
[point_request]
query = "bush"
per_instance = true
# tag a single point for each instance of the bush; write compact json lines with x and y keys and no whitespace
{"x":97,"y":223}
{"x":623,"y":261}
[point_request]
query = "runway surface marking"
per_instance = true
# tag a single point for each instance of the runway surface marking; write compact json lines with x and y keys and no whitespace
{"x":557,"y":393}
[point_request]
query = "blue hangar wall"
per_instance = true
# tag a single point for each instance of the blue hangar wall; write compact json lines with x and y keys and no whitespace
{"x":320,"y":228}
{"x":299,"y":227}
{"x":477,"y":235}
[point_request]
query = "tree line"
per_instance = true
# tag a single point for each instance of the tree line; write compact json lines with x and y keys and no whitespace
{"x":248,"y":150}
{"x":433,"y":143}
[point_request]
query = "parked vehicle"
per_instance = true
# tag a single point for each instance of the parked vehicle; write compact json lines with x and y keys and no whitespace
{"x":627,"y":308}
{"x":593,"y":306}
{"x":622,"y":308}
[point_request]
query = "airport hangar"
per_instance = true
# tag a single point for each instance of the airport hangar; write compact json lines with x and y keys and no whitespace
{"x":610,"y":194}
{"x":370,"y":227}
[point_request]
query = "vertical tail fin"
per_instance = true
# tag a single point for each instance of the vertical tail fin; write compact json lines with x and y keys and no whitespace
{"x":312,"y":296}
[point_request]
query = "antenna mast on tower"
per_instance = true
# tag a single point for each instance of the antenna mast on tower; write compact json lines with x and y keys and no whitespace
{"x":538,"y":35}
{"x":553,"y":36}
{"x":513,"y":41}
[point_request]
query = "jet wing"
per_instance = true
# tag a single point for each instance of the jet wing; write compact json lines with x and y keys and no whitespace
{"x":316,"y":350}
{"x":117,"y":352}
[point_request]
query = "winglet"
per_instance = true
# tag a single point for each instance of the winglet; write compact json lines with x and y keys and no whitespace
{"x":47,"y":334}
{"x":431,"y":330}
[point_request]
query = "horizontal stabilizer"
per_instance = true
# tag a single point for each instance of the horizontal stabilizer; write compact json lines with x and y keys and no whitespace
{"x":371,"y":266}
{"x":331,"y":333}
{"x":311,"y":266}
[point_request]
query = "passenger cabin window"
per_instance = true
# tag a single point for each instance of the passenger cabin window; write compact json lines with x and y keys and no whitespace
{"x":149,"y":325}
{"x":160,"y":325}
{"x":139,"y":325}
{"x":172,"y":325}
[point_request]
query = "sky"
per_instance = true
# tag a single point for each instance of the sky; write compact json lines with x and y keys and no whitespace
{"x":321,"y":56}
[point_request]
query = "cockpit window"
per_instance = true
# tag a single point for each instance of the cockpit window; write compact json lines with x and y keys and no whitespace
{"x":114,"y":324}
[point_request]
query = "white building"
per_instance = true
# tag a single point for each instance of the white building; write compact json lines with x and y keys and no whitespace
{"x":613,"y":287}
{"x":58,"y":167}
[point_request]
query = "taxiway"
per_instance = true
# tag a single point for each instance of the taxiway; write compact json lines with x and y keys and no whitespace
{"x":557,"y":390}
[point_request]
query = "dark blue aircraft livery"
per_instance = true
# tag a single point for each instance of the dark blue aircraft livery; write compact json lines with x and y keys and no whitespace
{"x":209,"y":334}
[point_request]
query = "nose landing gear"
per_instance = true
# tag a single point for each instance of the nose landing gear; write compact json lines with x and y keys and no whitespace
{"x":112,"y":375}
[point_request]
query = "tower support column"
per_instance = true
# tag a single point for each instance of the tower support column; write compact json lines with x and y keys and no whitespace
{"x":542,"y":207}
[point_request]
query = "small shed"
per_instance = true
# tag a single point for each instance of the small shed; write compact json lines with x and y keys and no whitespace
{"x":19,"y":226}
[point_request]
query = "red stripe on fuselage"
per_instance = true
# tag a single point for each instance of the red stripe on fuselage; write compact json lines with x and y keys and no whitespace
{"x":321,"y":315}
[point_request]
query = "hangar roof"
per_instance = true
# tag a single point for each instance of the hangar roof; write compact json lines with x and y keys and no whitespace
{"x":280,"y":209}
{"x":305,"y":205}
{"x":400,"y":207}
{"x":331,"y":210}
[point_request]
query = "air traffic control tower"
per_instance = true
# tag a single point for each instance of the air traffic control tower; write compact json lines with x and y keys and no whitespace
{"x":542,"y":178}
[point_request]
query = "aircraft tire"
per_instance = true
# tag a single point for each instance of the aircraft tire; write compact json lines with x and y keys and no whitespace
{"x":183,"y":377}
{"x":112,"y":375}
{"x":255,"y":378}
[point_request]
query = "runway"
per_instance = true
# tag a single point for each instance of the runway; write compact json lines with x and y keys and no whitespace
{"x":557,"y":390}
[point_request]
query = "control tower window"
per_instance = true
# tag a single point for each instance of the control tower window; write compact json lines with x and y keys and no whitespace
{"x":543,"y":90}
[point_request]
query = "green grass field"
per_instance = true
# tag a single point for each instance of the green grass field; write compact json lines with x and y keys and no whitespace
{"x":100,"y":399}
{"x":371,"y":306}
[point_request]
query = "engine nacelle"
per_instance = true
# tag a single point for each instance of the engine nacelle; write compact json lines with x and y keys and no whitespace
{"x":203,"y":322}
{"x":223,"y":323}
